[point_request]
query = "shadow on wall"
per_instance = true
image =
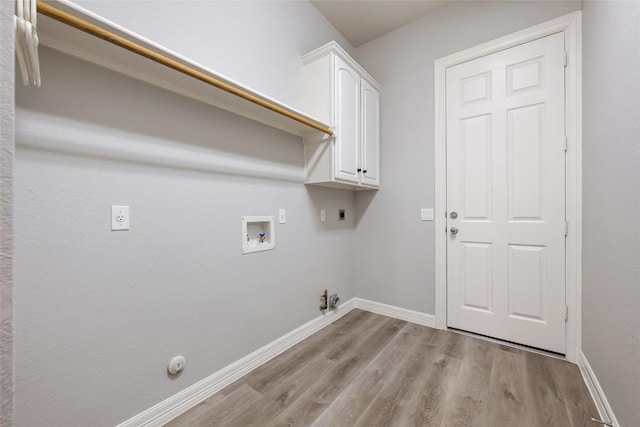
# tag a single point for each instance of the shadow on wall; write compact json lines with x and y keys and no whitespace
{"x":363,"y":200}
{"x":332,"y":201}
{"x":89,"y":111}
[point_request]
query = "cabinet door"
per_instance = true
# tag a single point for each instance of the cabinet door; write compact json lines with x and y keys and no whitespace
{"x":370,"y":135}
{"x":347,"y":155}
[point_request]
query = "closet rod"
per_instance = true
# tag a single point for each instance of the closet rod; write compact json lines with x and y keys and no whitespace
{"x":66,"y":18}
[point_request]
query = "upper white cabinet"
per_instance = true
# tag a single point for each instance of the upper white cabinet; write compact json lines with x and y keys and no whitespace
{"x":340,"y":92}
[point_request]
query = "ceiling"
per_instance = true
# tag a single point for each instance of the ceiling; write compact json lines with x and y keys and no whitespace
{"x":360,"y":21}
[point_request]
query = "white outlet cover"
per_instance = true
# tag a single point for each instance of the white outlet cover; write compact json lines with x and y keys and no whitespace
{"x":282,"y":216}
{"x":323,"y":215}
{"x":119,"y":218}
{"x":426,"y":214}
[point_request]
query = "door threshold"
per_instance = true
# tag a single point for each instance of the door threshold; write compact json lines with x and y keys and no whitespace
{"x":509,"y":344}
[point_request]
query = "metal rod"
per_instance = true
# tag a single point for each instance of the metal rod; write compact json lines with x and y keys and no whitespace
{"x":68,"y":19}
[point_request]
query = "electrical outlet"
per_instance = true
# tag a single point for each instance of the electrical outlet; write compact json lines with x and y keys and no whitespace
{"x":282,"y":216}
{"x":323,"y":215}
{"x":119,"y":218}
{"x":342,"y":215}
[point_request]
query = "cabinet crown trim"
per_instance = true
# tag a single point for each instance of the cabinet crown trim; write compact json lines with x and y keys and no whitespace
{"x":333,"y":47}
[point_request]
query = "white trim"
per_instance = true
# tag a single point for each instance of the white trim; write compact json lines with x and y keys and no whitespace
{"x":424,"y":319}
{"x":573,"y":210}
{"x":600,"y":400}
{"x":335,"y":48}
{"x":570,"y":25}
{"x":177,"y":404}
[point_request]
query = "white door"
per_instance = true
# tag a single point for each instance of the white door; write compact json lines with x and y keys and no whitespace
{"x":370,"y":135}
{"x":506,"y":185}
{"x":347,"y":155}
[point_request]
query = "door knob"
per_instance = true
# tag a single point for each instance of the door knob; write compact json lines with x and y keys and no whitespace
{"x":453,"y":215}
{"x":454,"y":230}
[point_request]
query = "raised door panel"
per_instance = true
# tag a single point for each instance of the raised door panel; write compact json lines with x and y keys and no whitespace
{"x":370,"y":135}
{"x":476,"y":276}
{"x":526,"y":282}
{"x":525,"y":165}
{"x":475,"y":157}
{"x":347,"y":153}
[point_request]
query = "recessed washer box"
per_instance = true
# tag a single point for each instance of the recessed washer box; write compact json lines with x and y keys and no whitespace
{"x":258,"y":234}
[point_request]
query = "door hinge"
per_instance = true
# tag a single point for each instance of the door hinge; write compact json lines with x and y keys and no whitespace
{"x":566,"y":58}
{"x":566,"y":313}
{"x":566,"y":143}
{"x":566,"y":228}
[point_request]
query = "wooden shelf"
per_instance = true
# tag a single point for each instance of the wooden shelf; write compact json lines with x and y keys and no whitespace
{"x":80,"y":33}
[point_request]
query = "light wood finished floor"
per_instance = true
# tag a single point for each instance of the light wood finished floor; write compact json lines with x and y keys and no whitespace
{"x":370,"y":370}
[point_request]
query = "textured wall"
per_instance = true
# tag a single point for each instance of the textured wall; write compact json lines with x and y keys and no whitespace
{"x":6,"y":211}
{"x":395,"y":249}
{"x":100,"y":313}
{"x":611,"y":198}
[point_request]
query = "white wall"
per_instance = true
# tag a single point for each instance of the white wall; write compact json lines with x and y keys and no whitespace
{"x":100,"y":313}
{"x":611,"y":184}
{"x":257,"y":43}
{"x":6,"y":210}
{"x":395,"y":249}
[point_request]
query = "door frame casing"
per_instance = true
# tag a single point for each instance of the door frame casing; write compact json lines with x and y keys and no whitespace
{"x":570,"y":25}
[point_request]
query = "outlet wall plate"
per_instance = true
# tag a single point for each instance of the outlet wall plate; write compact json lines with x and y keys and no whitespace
{"x":426,"y":214}
{"x":119,"y":218}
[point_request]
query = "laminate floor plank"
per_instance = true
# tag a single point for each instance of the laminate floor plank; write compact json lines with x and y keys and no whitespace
{"x":548,"y":398}
{"x":511,"y":399}
{"x":360,"y":349}
{"x":331,"y":384}
{"x":279,"y":398}
{"x":431,"y":405}
{"x":331,"y":338}
{"x":371,"y":370}
{"x":574,"y":393}
{"x":357,"y":395}
{"x":469,"y":402}
{"x":214,"y":412}
{"x":394,"y":403}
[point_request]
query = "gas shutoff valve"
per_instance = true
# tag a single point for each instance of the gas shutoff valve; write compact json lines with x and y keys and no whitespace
{"x":324,"y":300}
{"x":333,"y":301}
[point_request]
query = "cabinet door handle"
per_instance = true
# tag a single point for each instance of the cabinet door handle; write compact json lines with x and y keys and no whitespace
{"x":359,"y":170}
{"x":364,"y":171}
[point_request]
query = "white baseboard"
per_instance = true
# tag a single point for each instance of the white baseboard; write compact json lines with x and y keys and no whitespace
{"x":175,"y":405}
{"x":396,"y":312}
{"x":179,"y":403}
{"x":600,"y":400}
